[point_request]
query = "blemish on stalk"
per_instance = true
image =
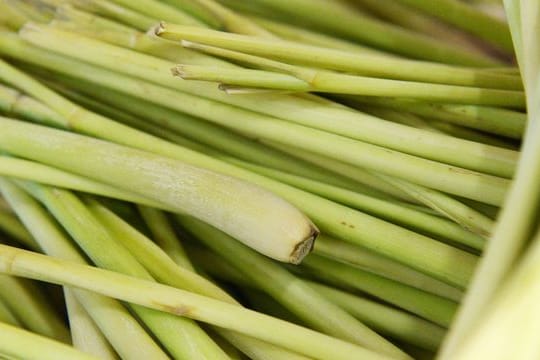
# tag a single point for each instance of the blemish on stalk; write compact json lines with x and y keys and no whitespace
{"x":180,"y":310}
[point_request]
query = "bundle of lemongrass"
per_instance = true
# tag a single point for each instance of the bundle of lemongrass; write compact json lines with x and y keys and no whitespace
{"x":403,"y":131}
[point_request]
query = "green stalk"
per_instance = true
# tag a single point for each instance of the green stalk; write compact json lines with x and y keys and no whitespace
{"x":182,"y":338}
{"x":159,"y":10}
{"x":11,"y":17}
{"x":383,"y":318}
{"x":364,"y":64}
{"x":113,"y":319}
{"x":468,"y":18}
{"x":343,"y":20}
{"x":407,"y":217}
{"x":12,"y":227}
{"x":493,"y":120}
{"x":141,"y":21}
{"x":163,"y":234}
{"x":30,"y":306}
{"x":181,"y":303}
{"x":291,"y":292}
{"x":431,"y":307}
{"x":304,"y":36}
{"x":85,"y":334}
{"x":356,"y":256}
{"x":295,"y":109}
{"x":443,"y":204}
{"x":73,"y":20}
{"x":7,"y":316}
{"x":22,"y":344}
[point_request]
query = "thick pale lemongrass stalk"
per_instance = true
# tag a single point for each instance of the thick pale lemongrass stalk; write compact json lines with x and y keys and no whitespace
{"x":181,"y":303}
{"x":426,"y":305}
{"x":7,"y":316}
{"x":32,"y":308}
{"x":181,"y":337}
{"x":117,"y":324}
{"x":518,"y":218}
{"x":22,"y":344}
{"x":156,"y":177}
{"x":499,"y":121}
{"x":304,"y":111}
{"x":356,"y":256}
{"x":383,"y":318}
{"x":85,"y":334}
{"x":468,"y":18}
{"x":163,"y":234}
{"x":290,"y":291}
{"x":364,"y":64}
{"x":334,"y":83}
{"x":12,"y":227}
{"x":394,"y":212}
{"x":508,"y":327}
{"x":343,"y":20}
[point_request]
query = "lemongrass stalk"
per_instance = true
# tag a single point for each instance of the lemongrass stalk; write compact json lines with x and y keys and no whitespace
{"x":518,"y":218}
{"x":410,"y":218}
{"x":7,"y":316}
{"x":369,"y":65}
{"x":455,"y":210}
{"x":163,"y":234}
{"x":291,"y":292}
{"x":440,"y":202}
{"x":159,"y":10}
{"x":118,"y":325}
{"x":292,"y":251}
{"x":204,"y":132}
{"x":493,"y":120}
{"x":141,"y":21}
{"x":12,"y":227}
{"x":428,"y":173}
{"x":28,"y":303}
{"x":507,"y":327}
{"x":15,"y":103}
{"x":85,"y":335}
{"x":333,"y":215}
{"x":431,"y":307}
{"x":30,"y":11}
{"x":295,"y":109}
{"x":354,"y":255}
{"x":22,"y":344}
{"x":181,"y":337}
{"x":11,"y":17}
{"x":181,"y":303}
{"x":37,"y":172}
{"x":71,"y":19}
{"x":344,"y":20}
{"x":468,"y":18}
{"x":304,"y":36}
{"x":387,"y":320}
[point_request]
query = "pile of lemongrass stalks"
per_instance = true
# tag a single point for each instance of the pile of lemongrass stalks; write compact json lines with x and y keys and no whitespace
{"x":269,"y":179}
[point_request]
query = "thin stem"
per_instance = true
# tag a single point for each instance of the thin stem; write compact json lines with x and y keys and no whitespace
{"x":181,"y":303}
{"x":364,"y":64}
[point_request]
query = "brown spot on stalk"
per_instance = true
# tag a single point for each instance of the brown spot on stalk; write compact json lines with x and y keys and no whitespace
{"x":180,"y":310}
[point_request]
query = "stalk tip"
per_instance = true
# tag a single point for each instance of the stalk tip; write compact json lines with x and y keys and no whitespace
{"x":303,"y":248}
